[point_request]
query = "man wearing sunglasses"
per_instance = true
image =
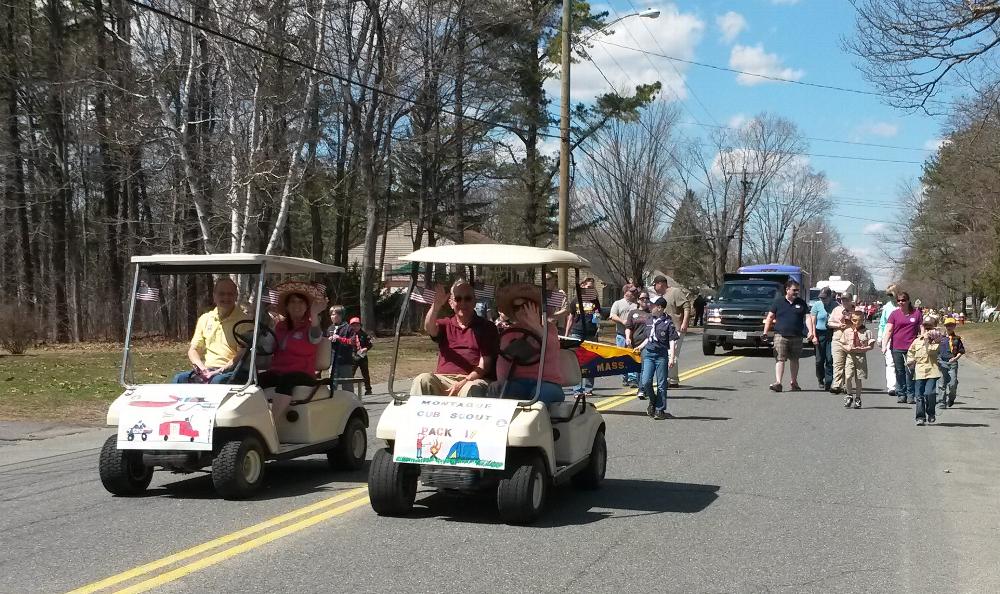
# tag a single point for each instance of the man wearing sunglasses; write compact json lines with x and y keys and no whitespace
{"x":467,"y":346}
{"x":788,"y":315}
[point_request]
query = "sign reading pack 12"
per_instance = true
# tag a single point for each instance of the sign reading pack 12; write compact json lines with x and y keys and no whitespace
{"x":452,"y":431}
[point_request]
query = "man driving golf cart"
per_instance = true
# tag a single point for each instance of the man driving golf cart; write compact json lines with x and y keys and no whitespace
{"x":467,"y":346}
{"x":214,"y":351}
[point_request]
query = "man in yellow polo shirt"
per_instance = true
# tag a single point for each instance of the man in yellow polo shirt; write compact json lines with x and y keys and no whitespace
{"x":213,"y":347}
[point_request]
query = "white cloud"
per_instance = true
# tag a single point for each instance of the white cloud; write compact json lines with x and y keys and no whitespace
{"x":880,"y":129}
{"x":874,"y":228}
{"x":674,"y":33}
{"x":737,"y":121}
{"x":754,"y":60}
{"x":935,"y":144}
{"x":731,"y":24}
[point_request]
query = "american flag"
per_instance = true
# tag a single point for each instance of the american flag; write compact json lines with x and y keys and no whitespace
{"x":485,"y":292}
{"x":270,"y":296}
{"x":588,"y":294}
{"x":555,"y":300}
{"x":321,"y":287}
{"x":147,"y":293}
{"x":425,"y":296}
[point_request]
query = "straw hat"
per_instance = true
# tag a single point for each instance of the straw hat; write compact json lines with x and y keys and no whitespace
{"x":511,"y":297}
{"x":311,"y":292}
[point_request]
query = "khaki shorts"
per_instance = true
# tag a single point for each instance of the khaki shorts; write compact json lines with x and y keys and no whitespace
{"x":787,"y":348}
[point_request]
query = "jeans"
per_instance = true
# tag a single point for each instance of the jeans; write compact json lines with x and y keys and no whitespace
{"x":926,"y":390}
{"x":654,"y":364}
{"x":523,"y":388}
{"x":824,"y":357}
{"x":587,"y":383}
{"x":627,"y":377}
{"x":904,"y":377}
{"x":229,"y":377}
{"x":948,"y":385}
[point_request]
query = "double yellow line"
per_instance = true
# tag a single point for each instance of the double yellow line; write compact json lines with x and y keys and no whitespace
{"x":267,"y":531}
{"x":624,"y":398}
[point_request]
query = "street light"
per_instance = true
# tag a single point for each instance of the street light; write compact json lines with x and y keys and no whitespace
{"x":564,"y":145}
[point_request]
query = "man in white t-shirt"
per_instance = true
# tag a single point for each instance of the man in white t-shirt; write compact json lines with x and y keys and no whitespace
{"x":619,"y":315}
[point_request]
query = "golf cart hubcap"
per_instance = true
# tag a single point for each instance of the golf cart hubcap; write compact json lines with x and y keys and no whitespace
{"x":358,"y":443}
{"x":536,"y":490}
{"x":251,"y":466}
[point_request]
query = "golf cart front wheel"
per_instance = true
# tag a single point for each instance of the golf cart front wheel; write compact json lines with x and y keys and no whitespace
{"x":521,"y":495}
{"x":238,"y":468}
{"x":122,"y":471}
{"x":592,"y":474}
{"x":392,"y":487}
{"x":352,"y":447}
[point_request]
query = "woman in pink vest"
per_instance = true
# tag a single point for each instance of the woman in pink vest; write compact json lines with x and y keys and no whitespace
{"x":297,"y":336}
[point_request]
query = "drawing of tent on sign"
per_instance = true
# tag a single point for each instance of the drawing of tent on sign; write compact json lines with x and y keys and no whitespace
{"x":463,"y":451}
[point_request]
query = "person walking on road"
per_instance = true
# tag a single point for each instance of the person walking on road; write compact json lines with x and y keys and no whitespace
{"x":857,"y":341}
{"x":922,"y":358}
{"x":581,"y":324}
{"x":619,"y":315}
{"x":823,"y":337}
{"x":838,"y":320}
{"x":658,"y":355}
{"x":679,"y":309}
{"x":636,"y":330}
{"x":901,"y":330}
{"x":362,"y":344}
{"x":699,"y":309}
{"x":788,"y":315}
{"x":952,"y":349}
{"x":887,"y":308}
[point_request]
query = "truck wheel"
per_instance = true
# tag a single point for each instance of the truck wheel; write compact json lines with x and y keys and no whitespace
{"x":352,"y":447}
{"x":521,"y":495}
{"x":392,"y":487}
{"x":238,"y":468}
{"x":592,"y":474}
{"x":707,"y":346}
{"x":122,"y":471}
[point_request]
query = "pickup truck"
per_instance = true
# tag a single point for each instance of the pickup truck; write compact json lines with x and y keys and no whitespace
{"x":736,"y":317}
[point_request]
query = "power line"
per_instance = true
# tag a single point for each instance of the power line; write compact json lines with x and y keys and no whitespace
{"x":818,"y":139}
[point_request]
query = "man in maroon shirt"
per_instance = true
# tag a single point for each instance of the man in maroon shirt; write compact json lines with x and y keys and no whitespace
{"x":467,"y":346}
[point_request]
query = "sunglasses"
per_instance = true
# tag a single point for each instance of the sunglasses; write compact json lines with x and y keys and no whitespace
{"x":902,"y":300}
{"x":461,"y":298}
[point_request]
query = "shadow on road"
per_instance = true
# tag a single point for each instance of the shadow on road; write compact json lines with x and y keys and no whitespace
{"x":710,"y":388}
{"x":962,"y":424}
{"x":281,"y":480}
{"x":970,"y":408}
{"x":900,"y":407}
{"x":636,"y":413}
{"x":570,"y":507}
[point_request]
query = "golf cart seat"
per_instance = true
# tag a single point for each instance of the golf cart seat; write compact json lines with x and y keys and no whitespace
{"x":570,"y":370}
{"x":303,"y":394}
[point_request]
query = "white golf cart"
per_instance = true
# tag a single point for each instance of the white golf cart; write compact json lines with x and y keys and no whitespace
{"x":229,"y":427}
{"x":463,"y":445}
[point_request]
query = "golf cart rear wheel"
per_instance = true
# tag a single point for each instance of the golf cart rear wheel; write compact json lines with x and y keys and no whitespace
{"x":522,"y":493}
{"x":392,"y":487}
{"x":122,"y":471}
{"x":592,"y":474}
{"x":352,"y":447}
{"x":238,"y":468}
{"x":707,"y":346}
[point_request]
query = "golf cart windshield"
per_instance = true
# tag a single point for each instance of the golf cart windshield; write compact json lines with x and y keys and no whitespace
{"x":170,"y":292}
{"x":509,"y":256}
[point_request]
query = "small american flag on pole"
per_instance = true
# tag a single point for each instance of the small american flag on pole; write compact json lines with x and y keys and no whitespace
{"x":485,"y":292}
{"x":555,"y":300}
{"x":147,"y":293}
{"x":425,"y":296}
{"x":270,"y":296}
{"x":321,"y":287}
{"x":588,"y":294}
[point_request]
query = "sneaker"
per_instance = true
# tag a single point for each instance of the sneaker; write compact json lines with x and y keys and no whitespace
{"x":920,"y":422}
{"x":667,"y":415}
{"x":640,"y":395}
{"x":857,"y":403}
{"x":794,"y":388}
{"x":651,"y":410}
{"x":775,"y":387}
{"x":892,"y":392}
{"x":847,"y":401}
{"x":674,"y":384}
{"x":901,"y":401}
{"x":951,"y":401}
{"x":911,"y":401}
{"x":368,"y":392}
{"x":836,"y":391}
{"x":931,"y":420}
{"x":660,"y":416}
{"x":823,"y":386}
{"x":588,"y":394}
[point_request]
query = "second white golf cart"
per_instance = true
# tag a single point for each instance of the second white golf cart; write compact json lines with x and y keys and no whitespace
{"x":186,"y":427}
{"x":520,"y":449}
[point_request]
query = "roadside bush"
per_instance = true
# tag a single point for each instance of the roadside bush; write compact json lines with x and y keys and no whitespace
{"x":17,"y":329}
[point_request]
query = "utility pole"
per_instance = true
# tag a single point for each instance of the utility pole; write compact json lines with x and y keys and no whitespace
{"x":745,"y":182}
{"x":791,"y":256}
{"x":564,"y":146}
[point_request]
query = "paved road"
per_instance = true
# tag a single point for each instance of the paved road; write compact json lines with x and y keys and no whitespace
{"x":746,"y":491}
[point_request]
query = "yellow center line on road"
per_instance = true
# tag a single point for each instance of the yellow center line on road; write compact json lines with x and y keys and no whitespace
{"x":348,"y":500}
{"x":215,"y":543}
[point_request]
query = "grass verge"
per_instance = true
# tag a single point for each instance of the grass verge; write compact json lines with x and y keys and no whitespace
{"x":74,"y":384}
{"x":982,"y":342}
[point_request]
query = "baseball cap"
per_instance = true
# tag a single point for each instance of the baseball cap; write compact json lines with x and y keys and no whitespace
{"x":660,"y":301}
{"x":355,"y":320}
{"x":950,"y":320}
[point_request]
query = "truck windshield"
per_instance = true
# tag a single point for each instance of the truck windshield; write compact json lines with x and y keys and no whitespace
{"x":740,"y":291}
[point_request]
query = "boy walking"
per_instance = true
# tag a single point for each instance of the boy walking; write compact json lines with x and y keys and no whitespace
{"x":952,"y":349}
{"x":659,"y":353}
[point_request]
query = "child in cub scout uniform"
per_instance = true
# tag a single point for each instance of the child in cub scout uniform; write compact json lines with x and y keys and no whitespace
{"x":952,"y":349}
{"x":856,"y":342}
{"x":922,"y":358}
{"x":659,"y":353}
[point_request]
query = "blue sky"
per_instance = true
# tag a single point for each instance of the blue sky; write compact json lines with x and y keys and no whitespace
{"x":797,"y":39}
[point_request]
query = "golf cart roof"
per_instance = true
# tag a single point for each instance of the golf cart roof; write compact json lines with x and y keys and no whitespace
{"x":497,"y":254}
{"x":230,"y":263}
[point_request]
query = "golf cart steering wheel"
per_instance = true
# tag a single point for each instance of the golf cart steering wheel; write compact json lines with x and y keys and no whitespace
{"x":245,"y":338}
{"x":526,"y":349}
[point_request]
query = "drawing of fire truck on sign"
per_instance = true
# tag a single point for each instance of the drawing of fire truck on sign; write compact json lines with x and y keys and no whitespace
{"x":178,"y":429}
